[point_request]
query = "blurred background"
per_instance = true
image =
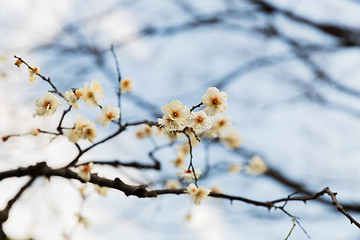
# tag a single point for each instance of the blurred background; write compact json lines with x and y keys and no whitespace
{"x":291,"y":72}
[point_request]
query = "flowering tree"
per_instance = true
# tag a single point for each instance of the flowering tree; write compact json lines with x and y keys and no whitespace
{"x":284,"y":75}
{"x":206,"y":126}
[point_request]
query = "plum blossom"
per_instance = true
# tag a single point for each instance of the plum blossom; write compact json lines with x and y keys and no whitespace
{"x":172,"y":184}
{"x":108,"y":114}
{"x":231,"y":138}
{"x":176,"y":115}
{"x":126,"y":85}
{"x":220,"y":123}
{"x":214,"y":101}
{"x":169,"y":124}
{"x":32,"y":74}
{"x":72,"y":99}
{"x":84,"y":129}
{"x":187,"y":174}
{"x":180,"y":159}
{"x":199,"y":121}
{"x":256,"y":166}
{"x":85,"y":171}
{"x":93,"y":94}
{"x":47,"y":105}
{"x":197,"y":193}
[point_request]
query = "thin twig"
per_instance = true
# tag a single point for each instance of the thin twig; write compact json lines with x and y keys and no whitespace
{"x":42,"y":77}
{"x":119,"y":80}
{"x":196,"y":106}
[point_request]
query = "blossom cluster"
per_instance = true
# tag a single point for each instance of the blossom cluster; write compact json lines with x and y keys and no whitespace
{"x":92,"y":94}
{"x":178,"y":116}
{"x":207,"y":123}
{"x":178,"y":119}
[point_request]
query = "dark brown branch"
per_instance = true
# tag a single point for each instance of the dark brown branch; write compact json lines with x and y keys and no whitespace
{"x":121,"y":129}
{"x":196,"y":106}
{"x":59,"y":127}
{"x":340,"y":208}
{"x":41,"y":169}
{"x":117,"y":163}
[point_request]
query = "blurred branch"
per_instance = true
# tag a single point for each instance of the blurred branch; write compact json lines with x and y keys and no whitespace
{"x":4,"y":214}
{"x":297,"y":186}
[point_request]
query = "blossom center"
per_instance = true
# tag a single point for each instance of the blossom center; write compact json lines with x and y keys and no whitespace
{"x":78,"y":94}
{"x":86,"y":168}
{"x":90,"y":94}
{"x":89,"y":131}
{"x":221,"y":123}
{"x":215,"y":101}
{"x":199,"y":119}
{"x":110,"y":116}
{"x":175,"y":114}
{"x":47,"y":104}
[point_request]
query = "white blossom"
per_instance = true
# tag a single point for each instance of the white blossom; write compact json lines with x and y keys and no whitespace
{"x":187,"y":174}
{"x":72,"y":135}
{"x":47,"y":105}
{"x":93,"y":94}
{"x":33,"y":73}
{"x":126,"y":85}
{"x":220,"y":123}
{"x":197,"y":193}
{"x":169,"y":124}
{"x":231,"y":138}
{"x":84,"y":129}
{"x":199,"y":121}
{"x":180,"y":159}
{"x":172,"y":184}
{"x":256,"y":166}
{"x":85,"y":172}
{"x":72,"y":99}
{"x":214,"y":101}
{"x":108,"y":114}
{"x":176,"y":111}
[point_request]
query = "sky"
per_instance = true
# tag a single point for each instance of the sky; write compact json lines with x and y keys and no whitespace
{"x":304,"y":125}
